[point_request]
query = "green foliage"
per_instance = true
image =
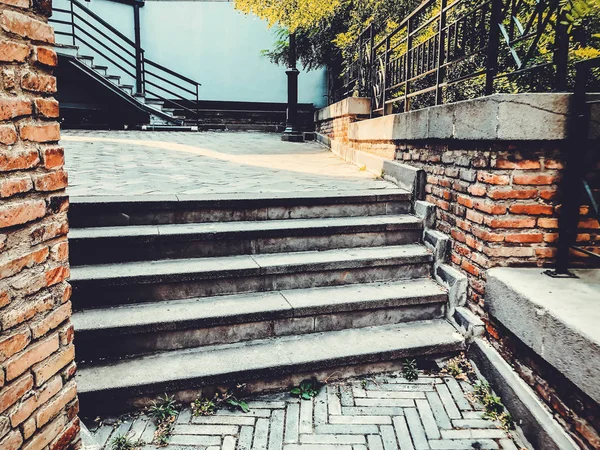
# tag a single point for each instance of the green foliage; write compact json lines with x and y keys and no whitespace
{"x":494,"y":408}
{"x":307,"y":389}
{"x":203,"y":407}
{"x":122,"y":442}
{"x":460,"y":368}
{"x":577,"y":11}
{"x":238,"y":404}
{"x":409,"y":370}
{"x":163,"y":408}
{"x":290,"y":14}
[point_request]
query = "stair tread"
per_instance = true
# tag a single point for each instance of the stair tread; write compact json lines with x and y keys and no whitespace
{"x":210,"y":229}
{"x":239,"y":308}
{"x":254,"y":264}
{"x":261,"y":357}
{"x":366,"y":195}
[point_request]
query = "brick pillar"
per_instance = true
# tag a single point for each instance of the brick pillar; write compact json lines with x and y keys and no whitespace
{"x":38,"y":396}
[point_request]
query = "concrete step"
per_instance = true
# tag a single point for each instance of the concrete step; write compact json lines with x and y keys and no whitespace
{"x":148,"y":281}
{"x":98,"y":245}
{"x":171,"y":209}
{"x":115,"y":384}
{"x":171,"y":325}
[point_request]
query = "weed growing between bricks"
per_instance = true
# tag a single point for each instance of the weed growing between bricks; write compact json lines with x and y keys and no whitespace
{"x":445,"y":405}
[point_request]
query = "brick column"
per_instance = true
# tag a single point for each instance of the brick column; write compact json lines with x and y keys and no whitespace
{"x":38,"y":396}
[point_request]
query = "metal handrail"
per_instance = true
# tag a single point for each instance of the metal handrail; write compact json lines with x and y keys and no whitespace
{"x":443,"y":42}
{"x":96,"y":33}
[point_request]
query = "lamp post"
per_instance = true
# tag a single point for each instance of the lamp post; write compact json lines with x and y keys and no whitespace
{"x":291,"y":132}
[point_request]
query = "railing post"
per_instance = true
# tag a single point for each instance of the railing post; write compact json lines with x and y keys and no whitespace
{"x":386,"y":61}
{"x":573,"y":149}
{"x":72,"y":23}
{"x":371,"y":81}
{"x":561,"y":54}
{"x":197,"y":106}
{"x":491,"y":65}
{"x":441,"y":59}
{"x":407,"y":72}
{"x":139,"y":66}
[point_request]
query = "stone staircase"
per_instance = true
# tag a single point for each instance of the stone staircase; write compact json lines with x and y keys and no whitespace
{"x":161,"y":115}
{"x":180,"y":293}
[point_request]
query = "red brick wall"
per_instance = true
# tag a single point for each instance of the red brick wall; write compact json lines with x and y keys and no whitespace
{"x":38,"y":398}
{"x":498,"y":202}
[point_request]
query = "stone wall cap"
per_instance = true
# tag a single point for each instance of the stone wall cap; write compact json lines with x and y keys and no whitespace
{"x":515,"y":117}
{"x":352,"y":106}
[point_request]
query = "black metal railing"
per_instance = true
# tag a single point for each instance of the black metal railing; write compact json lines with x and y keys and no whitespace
{"x":580,"y":183}
{"x":451,"y":50}
{"x":152,"y":80}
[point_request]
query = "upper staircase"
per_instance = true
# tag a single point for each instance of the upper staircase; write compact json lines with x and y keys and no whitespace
{"x":175,"y":294}
{"x":95,"y":48}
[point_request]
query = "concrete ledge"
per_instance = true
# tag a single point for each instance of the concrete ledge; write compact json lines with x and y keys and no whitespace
{"x":353,"y":106}
{"x":556,"y":317}
{"x":406,"y":177}
{"x":536,"y":422}
{"x":528,"y":117}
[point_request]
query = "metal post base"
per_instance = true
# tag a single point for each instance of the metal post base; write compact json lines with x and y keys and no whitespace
{"x":292,"y":136}
{"x":555,"y":274}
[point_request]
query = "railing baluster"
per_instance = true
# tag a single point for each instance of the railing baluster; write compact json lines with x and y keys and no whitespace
{"x":72,"y":23}
{"x":491,"y":64}
{"x":441,"y":55}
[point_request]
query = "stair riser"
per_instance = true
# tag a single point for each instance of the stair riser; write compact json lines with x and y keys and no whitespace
{"x":96,"y":215}
{"x":121,"y":343}
{"x":259,"y":381}
{"x":92,"y":293}
{"x":109,"y":250}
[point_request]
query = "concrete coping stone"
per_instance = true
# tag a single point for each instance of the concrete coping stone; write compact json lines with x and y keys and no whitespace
{"x":352,"y":106}
{"x":519,"y":117}
{"x":557,"y":318}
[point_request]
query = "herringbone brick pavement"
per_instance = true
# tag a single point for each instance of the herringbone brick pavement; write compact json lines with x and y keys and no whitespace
{"x":381,"y":413}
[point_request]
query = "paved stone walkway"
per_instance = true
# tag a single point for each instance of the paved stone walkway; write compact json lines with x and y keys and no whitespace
{"x":145,"y":163}
{"x":379,"y":413}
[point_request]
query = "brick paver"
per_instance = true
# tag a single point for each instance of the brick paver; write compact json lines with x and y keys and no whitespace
{"x":148,"y":163}
{"x":381,"y":413}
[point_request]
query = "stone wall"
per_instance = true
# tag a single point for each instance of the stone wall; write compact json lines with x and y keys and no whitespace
{"x":38,"y":397}
{"x":493,"y":168}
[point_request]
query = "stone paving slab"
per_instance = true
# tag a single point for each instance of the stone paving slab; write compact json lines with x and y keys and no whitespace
{"x":160,"y":163}
{"x":384,"y":412}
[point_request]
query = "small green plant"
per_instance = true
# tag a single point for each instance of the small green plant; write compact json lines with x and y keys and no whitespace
{"x":163,"y":432}
{"x":163,"y":408}
{"x":307,"y":389}
{"x":122,"y":442}
{"x":409,"y":370}
{"x":203,"y":407}
{"x":460,"y":368}
{"x":494,"y":408}
{"x":234,"y":403}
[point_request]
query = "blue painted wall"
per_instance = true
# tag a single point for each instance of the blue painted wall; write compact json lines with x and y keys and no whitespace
{"x":213,"y":44}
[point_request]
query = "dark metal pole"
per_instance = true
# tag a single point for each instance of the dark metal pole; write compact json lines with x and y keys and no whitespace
{"x":491,"y":64}
{"x":441,"y":56}
{"x":291,"y":132}
{"x":574,"y":148}
{"x":139,"y":66}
